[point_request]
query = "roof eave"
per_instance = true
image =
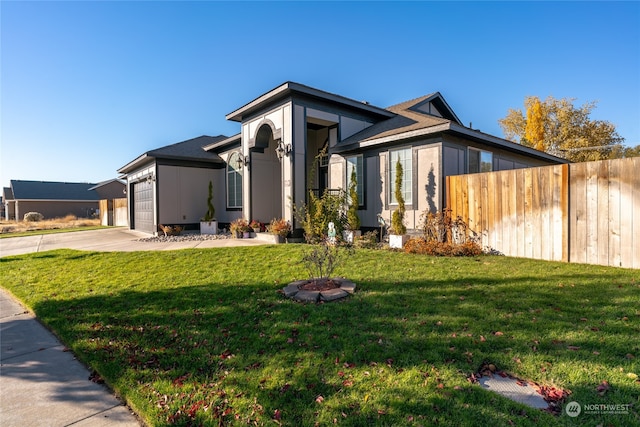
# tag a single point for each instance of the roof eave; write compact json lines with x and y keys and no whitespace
{"x":453,"y":127}
{"x":221,"y":144}
{"x":287,"y":88}
{"x":135,"y":163}
{"x":505,"y":144}
{"x":393,"y":138}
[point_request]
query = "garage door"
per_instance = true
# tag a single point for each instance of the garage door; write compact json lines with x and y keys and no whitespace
{"x":143,"y":206}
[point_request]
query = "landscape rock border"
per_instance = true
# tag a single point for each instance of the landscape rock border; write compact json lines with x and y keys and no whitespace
{"x":293,"y":291}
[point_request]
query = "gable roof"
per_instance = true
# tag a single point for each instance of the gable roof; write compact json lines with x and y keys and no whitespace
{"x":191,"y":149}
{"x":50,"y":190}
{"x":289,"y":88}
{"x":107,"y":182}
{"x":411,"y":122}
{"x":7,"y":194}
{"x":408,"y":120}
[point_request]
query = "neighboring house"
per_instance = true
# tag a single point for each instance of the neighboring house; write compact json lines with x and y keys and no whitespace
{"x":58,"y":199}
{"x":274,"y":160}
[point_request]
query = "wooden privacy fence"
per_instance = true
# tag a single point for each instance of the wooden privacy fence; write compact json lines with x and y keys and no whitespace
{"x":581,"y":212}
{"x":113,"y":212}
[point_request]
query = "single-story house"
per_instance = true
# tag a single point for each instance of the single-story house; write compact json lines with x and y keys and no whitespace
{"x":274,"y":160}
{"x":58,"y":199}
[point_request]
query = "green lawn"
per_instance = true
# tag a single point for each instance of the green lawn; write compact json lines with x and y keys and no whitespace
{"x":203,"y":337}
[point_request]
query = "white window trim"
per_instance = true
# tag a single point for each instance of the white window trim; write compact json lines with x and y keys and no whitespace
{"x":227,"y":176}
{"x":392,"y":179}
{"x":360,"y":178}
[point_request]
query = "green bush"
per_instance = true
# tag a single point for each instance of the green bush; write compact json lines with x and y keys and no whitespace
{"x":319,"y":212}
{"x":353,"y":220}
{"x":211,"y":211}
{"x":397,"y":218}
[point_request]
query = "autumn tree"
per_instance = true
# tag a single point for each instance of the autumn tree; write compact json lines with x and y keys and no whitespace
{"x":557,"y":127}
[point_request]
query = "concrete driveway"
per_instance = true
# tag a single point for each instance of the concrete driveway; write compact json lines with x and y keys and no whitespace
{"x":107,"y":240}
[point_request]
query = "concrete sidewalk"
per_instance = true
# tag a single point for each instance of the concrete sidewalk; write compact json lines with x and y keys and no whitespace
{"x":41,"y":384}
{"x":107,"y":240}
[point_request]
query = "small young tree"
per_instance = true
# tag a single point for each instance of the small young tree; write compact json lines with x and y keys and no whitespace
{"x":353,"y":220}
{"x":397,"y":219}
{"x":211,"y":211}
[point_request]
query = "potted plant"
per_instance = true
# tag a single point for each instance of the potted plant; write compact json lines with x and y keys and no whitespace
{"x":256,"y":226}
{"x":279,"y":227}
{"x":208,"y":223}
{"x":238,"y":227}
{"x":246,"y":231}
{"x":397,"y":235}
{"x":353,"y":220}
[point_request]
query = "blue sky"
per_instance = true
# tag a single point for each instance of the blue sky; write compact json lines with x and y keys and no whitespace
{"x":87,"y":87}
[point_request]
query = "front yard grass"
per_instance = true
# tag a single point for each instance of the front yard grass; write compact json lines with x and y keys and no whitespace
{"x":203,"y":337}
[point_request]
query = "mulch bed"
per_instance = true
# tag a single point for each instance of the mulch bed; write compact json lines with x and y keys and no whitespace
{"x":319,"y":285}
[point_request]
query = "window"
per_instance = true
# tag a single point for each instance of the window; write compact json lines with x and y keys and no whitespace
{"x":480,"y":161}
{"x":356,"y":162}
{"x":404,"y":155}
{"x":234,"y":181}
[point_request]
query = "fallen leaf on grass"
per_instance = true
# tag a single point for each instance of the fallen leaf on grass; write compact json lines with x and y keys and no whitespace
{"x":573,"y":347}
{"x":498,"y":333}
{"x":319,"y":399}
{"x":603,"y":388}
{"x":277,"y":414}
{"x":96,"y":378}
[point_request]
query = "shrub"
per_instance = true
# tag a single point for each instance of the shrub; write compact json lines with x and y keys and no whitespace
{"x":442,"y":227}
{"x":431,"y":247}
{"x":239,"y":225}
{"x":322,"y":259}
{"x":353,"y":220}
{"x":444,"y":235}
{"x":280,"y":227}
{"x":316,"y":216}
{"x":397,"y":218}
{"x":171,"y":230}
{"x":368,"y":240}
{"x":211,"y":211}
{"x":33,"y":217}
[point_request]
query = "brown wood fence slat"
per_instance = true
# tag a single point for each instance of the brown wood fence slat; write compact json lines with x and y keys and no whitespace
{"x":581,"y":212}
{"x":113,"y":212}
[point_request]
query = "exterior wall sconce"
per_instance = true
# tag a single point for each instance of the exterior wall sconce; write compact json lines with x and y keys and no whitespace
{"x":283,"y":150}
{"x":150,"y":178}
{"x":243,"y":160}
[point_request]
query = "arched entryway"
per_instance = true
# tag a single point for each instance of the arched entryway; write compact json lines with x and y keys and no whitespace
{"x":266,"y":177}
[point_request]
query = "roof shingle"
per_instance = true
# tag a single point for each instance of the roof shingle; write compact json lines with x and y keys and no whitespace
{"x":48,"y":190}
